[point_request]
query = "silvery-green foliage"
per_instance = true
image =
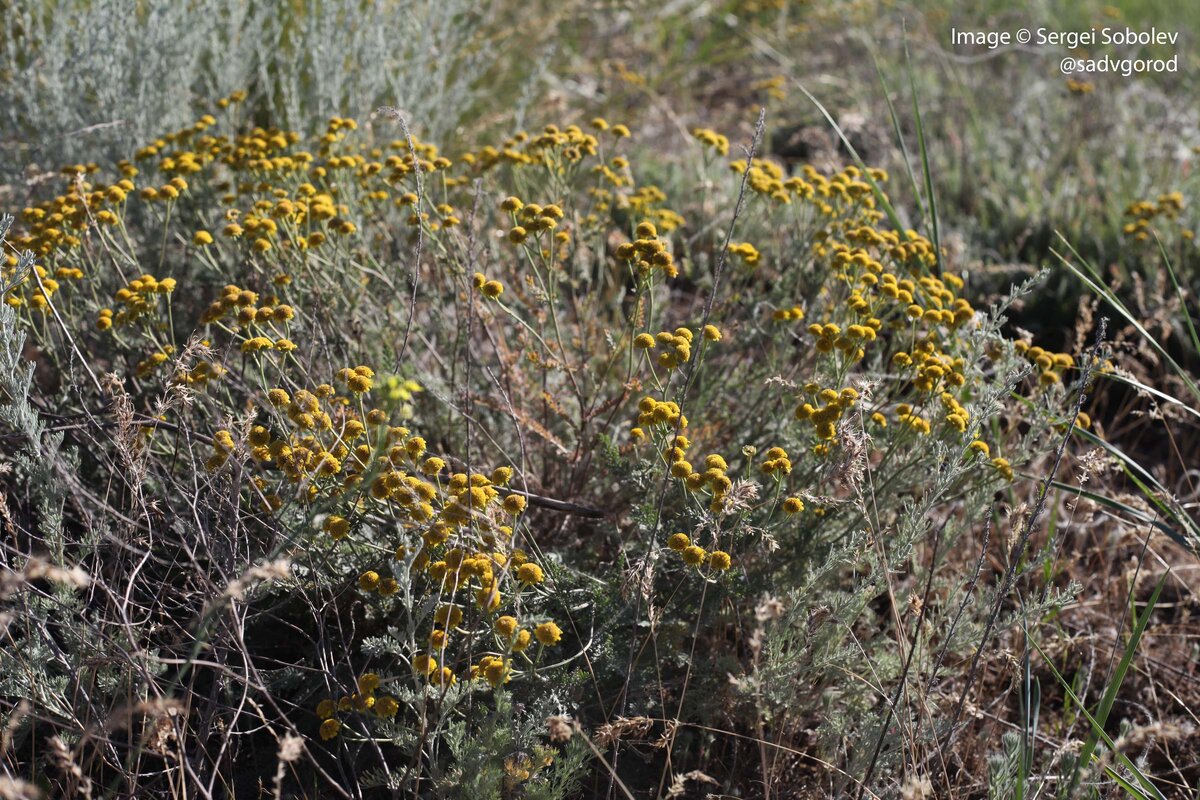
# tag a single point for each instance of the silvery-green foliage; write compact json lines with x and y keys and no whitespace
{"x":117,"y":67}
{"x":16,"y":374}
{"x":86,"y":79}
{"x":926,"y":503}
{"x":37,"y":453}
{"x":1003,"y":766}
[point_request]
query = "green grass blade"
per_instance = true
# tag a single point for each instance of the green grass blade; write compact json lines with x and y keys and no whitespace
{"x":1110,"y":297}
{"x":1187,"y":316}
{"x":1161,"y":395}
{"x":887,"y":96}
{"x":1145,"y":782}
{"x":1150,"y":487}
{"x":880,"y":197}
{"x":1114,"y":683}
{"x":933,"y":213}
{"x":1120,"y":454}
{"x":1126,"y":510}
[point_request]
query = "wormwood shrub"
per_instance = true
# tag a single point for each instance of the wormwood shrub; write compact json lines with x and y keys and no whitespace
{"x":377,"y":460}
{"x":90,"y":79}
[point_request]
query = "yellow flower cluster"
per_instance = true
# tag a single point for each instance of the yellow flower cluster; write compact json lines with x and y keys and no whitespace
{"x":247,"y":309}
{"x":362,"y":701}
{"x":1080,"y":87}
{"x":325,"y":445}
{"x":747,"y":252}
{"x":1050,"y":365}
{"x":138,"y":299}
{"x":646,"y":203}
{"x":1003,"y":467}
{"x":830,"y":337}
{"x":696,"y":556}
{"x":556,"y":148}
{"x":710,"y":138}
{"x":659,"y":414}
{"x":522,"y":767}
{"x":712,"y":478}
{"x":831,"y":405}
{"x":154,"y":360}
{"x":1143,"y":213}
{"x":677,"y":345}
{"x":200,"y":374}
{"x":489,"y":289}
{"x":929,"y":366}
{"x":906,"y":416}
{"x":776,"y":463}
{"x":169,"y":192}
{"x":530,"y":218}
{"x":794,"y":314}
{"x":648,"y":253}
{"x":55,"y":226}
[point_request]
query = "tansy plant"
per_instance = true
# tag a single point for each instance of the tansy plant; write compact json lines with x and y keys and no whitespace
{"x":514,"y":432}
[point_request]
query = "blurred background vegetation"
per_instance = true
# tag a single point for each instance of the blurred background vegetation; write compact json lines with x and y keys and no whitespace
{"x":1017,"y":152}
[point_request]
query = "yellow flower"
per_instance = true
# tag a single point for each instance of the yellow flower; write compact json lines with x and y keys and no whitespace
{"x":793,"y":505}
{"x":330,"y":729}
{"x":492,"y":289}
{"x":678,"y":542}
{"x":712,"y":333}
{"x":719,"y":559}
{"x":368,"y":581}
{"x":448,"y":616}
{"x":530,"y":573}
{"x":694,"y":555}
{"x":495,"y":670}
{"x":337,"y":527}
{"x":202,"y":238}
{"x":506,"y":626}
{"x":445,"y":677}
{"x":387,"y":707}
{"x":548,"y":633}
{"x":368,"y":682}
{"x":489,"y":598}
